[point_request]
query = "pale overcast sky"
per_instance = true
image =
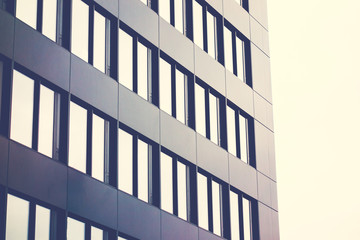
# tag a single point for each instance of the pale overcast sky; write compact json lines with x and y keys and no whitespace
{"x":315,"y":63}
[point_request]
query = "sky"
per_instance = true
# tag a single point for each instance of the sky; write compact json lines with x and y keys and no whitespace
{"x":315,"y":68}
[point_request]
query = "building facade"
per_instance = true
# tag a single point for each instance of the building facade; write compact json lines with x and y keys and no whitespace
{"x":136,"y":119}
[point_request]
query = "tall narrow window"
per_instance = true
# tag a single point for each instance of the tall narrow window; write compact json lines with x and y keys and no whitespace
{"x":26,"y":11}
{"x":243,"y":126}
{"x":166,"y":182}
{"x":179,"y":15}
{"x":143,"y":170}
{"x":216,"y":207}
{"x":17,"y":218}
{"x":173,"y":15}
{"x":98,"y":148}
{"x":96,"y":233}
{"x":234,"y":216}
{"x":99,"y":41}
{"x":181,"y":86}
{"x":75,"y":229}
{"x":42,"y":223}
{"x":240,"y":59}
{"x":143,"y":70}
{"x":202,"y":197}
{"x":211,"y":35}
{"x":200,"y":110}
{"x":125,"y":162}
{"x":246,"y":207}
{"x":125,"y":59}
{"x":80,"y":29}
{"x":228,"y":47}
{"x":164,"y":9}
{"x":231,"y":130}
{"x":182,"y":192}
{"x":214,"y":118}
{"x":198,"y":27}
{"x":165,"y":86}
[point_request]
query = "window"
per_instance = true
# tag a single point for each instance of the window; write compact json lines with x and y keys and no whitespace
{"x":80,"y":29}
{"x":243,"y":3}
{"x":202,"y":197}
{"x":166,"y":182}
{"x":42,"y":223}
{"x":172,"y":11}
{"x":135,"y":68}
{"x":246,"y":207}
{"x":75,"y":229}
{"x":234,"y":216}
{"x":173,"y":84}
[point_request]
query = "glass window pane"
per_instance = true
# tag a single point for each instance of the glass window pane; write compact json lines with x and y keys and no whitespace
{"x":42,"y":224}
{"x":99,"y":41}
{"x":125,"y":59}
{"x":165,"y":86}
{"x":234,"y":216}
{"x":211,"y":25}
{"x":121,"y":238}
{"x":240,"y":59}
{"x":243,"y":139}
{"x":143,"y":170}
{"x":202,"y":201}
{"x":179,"y":16}
{"x":26,"y":11}
{"x":214,"y":118}
{"x":231,"y":130}
{"x":17,"y":218}
{"x":22,"y":109}
{"x":164,"y":9}
{"x":200,"y":109}
{"x":142,"y":71}
{"x":182,"y":193}
{"x":98,"y":148}
{"x":246,"y":219}
{"x":228,"y":49}
{"x":180,"y":96}
{"x":216,"y":208}
{"x":77,"y":137}
{"x":96,"y":233}
{"x":46,"y":121}
{"x":125,"y":162}
{"x":75,"y":229}
{"x":198,"y":24}
{"x":166,"y":182}
{"x":80,"y":29}
{"x":49,"y":19}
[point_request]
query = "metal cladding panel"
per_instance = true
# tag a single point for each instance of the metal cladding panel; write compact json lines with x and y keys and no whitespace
{"x":258,"y":9}
{"x":141,"y":18}
{"x":137,"y":218}
{"x":259,"y":36}
{"x":275,"y":225}
{"x":41,"y":55}
{"x":91,"y":199}
{"x":274,"y":199}
{"x":212,"y":158}
{"x":111,"y":6}
{"x":4,"y":158}
{"x":93,"y":86}
{"x":216,"y":4}
{"x":243,"y":176}
{"x":37,"y":175}
{"x":176,"y":45}
{"x":264,"y":189}
{"x":272,"y":163}
{"x":265,"y":223}
{"x":178,"y":137}
{"x":239,"y":93}
{"x":174,"y":228}
{"x":140,"y":115}
{"x":6,"y":33}
{"x":263,"y":111}
{"x":205,"y":235}
{"x":237,"y":16}
{"x":261,"y":148}
{"x":209,"y":70}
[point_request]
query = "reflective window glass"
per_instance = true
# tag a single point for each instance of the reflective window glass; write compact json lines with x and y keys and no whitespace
{"x":166,"y":183}
{"x":125,"y":59}
{"x":214,"y":118}
{"x":180,"y":82}
{"x":228,"y":49}
{"x":125,"y":162}
{"x":216,"y":208}
{"x":98,"y":148}
{"x":142,"y":69}
{"x":165,"y":86}
{"x":211,"y":37}
{"x":75,"y":229}
{"x":243,"y":138}
{"x":49,"y":18}
{"x":143,"y":170}
{"x":179,"y":15}
{"x":231,"y":130}
{"x":246,"y":218}
{"x":77,"y":137}
{"x":198,"y":24}
{"x":99,"y":41}
{"x":96,"y":233}
{"x":22,"y":109}
{"x":80,"y":29}
{"x":182,"y":193}
{"x":200,"y":109}
{"x":26,"y":11}
{"x":202,"y":201}
{"x":240,"y":59}
{"x":164,"y":9}
{"x":234,"y":216}
{"x":42,"y":224}
{"x":17,"y":218}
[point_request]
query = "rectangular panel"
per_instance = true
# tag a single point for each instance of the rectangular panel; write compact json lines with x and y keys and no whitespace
{"x":17,"y":218}
{"x":198,"y":24}
{"x":182,"y":191}
{"x":49,"y":16}
{"x":125,"y":162}
{"x":263,"y":111}
{"x":7,"y":34}
{"x":26,"y":11}
{"x":80,"y":29}
{"x":173,"y":228}
{"x":200,"y":110}
{"x":125,"y":54}
{"x":143,"y":170}
{"x":216,"y":207}
{"x":234,"y":216}
{"x":231,"y":130}
{"x":237,"y":16}
{"x":165,"y":86}
{"x":98,"y":148}
{"x":166,"y":183}
{"x":75,"y":229}
{"x":42,"y":223}
{"x":262,"y":148}
{"x":202,"y":201}
{"x":264,"y":189}
{"x":180,"y":86}
{"x":111,"y":6}
{"x":99,"y":41}
{"x":143,"y":68}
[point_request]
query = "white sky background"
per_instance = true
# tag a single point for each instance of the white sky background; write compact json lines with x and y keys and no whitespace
{"x":315,"y":64}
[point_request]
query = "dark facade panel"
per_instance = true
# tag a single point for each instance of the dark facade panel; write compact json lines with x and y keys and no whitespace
{"x":176,"y":45}
{"x":263,"y":111}
{"x":205,"y":235}
{"x":209,"y":70}
{"x":237,"y":16}
{"x":264,"y":189}
{"x":239,"y":93}
{"x":4,"y":157}
{"x":91,"y":199}
{"x":141,"y":18}
{"x":265,"y":223}
{"x":259,"y":36}
{"x":139,"y":115}
{"x":36,"y":175}
{"x":243,"y":176}
{"x":41,"y":55}
{"x":112,"y":6}
{"x":6,"y":33}
{"x":261,"y":148}
{"x":178,"y":137}
{"x":137,"y":218}
{"x":93,"y":86}
{"x":174,"y":228}
{"x":212,"y":158}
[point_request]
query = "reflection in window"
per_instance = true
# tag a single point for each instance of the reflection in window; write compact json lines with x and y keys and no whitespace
{"x":200,"y":110}
{"x":143,"y":68}
{"x":75,"y":229}
{"x":125,"y":59}
{"x":22,"y":109}
{"x":182,"y":193}
{"x":166,"y":183}
{"x":26,"y":11}
{"x":198,"y":24}
{"x":17,"y":218}
{"x":77,"y":137}
{"x":231,"y":130}
{"x":243,"y":138}
{"x":228,"y":49}
{"x":99,"y":41}
{"x":49,"y":18}
{"x":165,"y":86}
{"x":202,"y":198}
{"x":42,"y":224}
{"x":125,"y":162}
{"x":211,"y":34}
{"x":181,"y":83}
{"x":234,"y":216}
{"x":98,"y":148}
{"x":216,"y":207}
{"x":143,"y":170}
{"x":96,"y":233}
{"x":246,"y":207}
{"x":80,"y":29}
{"x":214,"y":118}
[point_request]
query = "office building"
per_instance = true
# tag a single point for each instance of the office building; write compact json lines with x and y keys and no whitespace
{"x":136,"y":119}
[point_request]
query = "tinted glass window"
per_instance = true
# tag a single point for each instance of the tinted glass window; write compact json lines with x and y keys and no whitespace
{"x":211,"y":37}
{"x":240,"y":59}
{"x":164,"y":9}
{"x":166,"y":182}
{"x":228,"y":49}
{"x":42,"y":224}
{"x":99,"y":41}
{"x":182,"y":193}
{"x":179,"y":15}
{"x":200,"y":109}
{"x":96,"y":233}
{"x":231,"y":130}
{"x":165,"y":86}
{"x":26,"y":11}
{"x":234,"y":216}
{"x":216,"y":208}
{"x":80,"y":29}
{"x":49,"y":18}
{"x":75,"y":229}
{"x":246,"y":219}
{"x":202,"y":201}
{"x":198,"y":24}
{"x":17,"y":218}
{"x":125,"y":162}
{"x":143,"y":170}
{"x":125,"y":59}
{"x":214,"y":118}
{"x":180,"y":82}
{"x":243,"y":138}
{"x":22,"y":109}
{"x":98,"y":148}
{"x":143,"y":70}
